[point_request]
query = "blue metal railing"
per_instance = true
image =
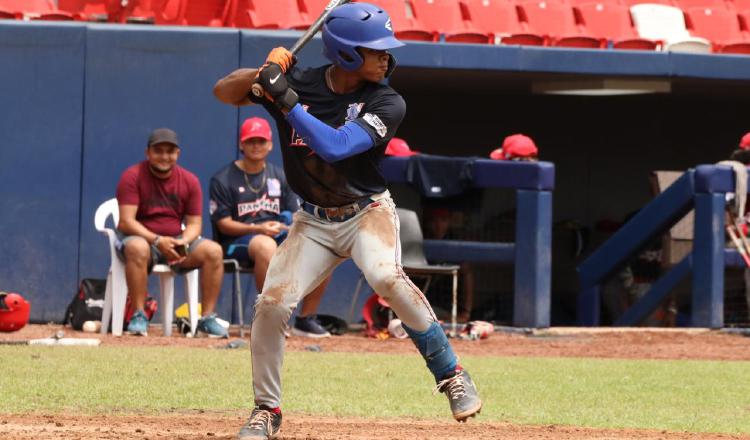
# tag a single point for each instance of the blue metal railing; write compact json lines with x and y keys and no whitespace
{"x":703,"y":189}
{"x":531,"y":252}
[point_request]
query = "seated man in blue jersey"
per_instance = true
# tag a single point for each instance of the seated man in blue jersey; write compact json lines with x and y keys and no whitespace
{"x":251,"y":207}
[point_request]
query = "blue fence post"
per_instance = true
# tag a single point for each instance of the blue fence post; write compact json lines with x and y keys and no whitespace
{"x":708,"y":261}
{"x":531,"y":306}
{"x":589,"y":306}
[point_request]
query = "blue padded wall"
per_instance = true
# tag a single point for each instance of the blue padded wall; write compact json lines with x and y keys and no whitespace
{"x":41,"y":85}
{"x":139,"y":78}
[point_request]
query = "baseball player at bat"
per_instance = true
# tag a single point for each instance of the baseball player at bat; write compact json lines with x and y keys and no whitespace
{"x":334,"y":124}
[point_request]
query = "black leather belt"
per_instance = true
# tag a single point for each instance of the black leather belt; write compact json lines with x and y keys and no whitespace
{"x":336,"y":214}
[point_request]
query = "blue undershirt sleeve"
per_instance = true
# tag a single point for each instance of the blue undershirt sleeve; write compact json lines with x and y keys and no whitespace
{"x":329,"y":143}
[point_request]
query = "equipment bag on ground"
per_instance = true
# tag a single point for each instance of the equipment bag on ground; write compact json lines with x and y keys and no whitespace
{"x":87,"y":303}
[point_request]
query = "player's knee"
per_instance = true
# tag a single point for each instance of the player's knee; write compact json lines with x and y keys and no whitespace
{"x":214,"y":252}
{"x":262,"y":248}
{"x":137,"y":251}
{"x":384,"y":280}
{"x":271,"y":306}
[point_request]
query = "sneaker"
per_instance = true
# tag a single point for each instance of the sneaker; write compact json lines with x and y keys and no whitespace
{"x":209,"y":326}
{"x":462,"y":395}
{"x":309,"y":327}
{"x":263,"y":424}
{"x":138,"y":324}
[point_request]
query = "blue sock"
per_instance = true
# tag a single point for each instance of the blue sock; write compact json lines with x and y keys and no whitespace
{"x":435,"y":349}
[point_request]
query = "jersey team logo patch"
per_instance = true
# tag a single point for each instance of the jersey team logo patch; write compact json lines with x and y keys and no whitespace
{"x":274,"y":187}
{"x":376,"y":123}
{"x":352,"y":112}
{"x":258,"y":205}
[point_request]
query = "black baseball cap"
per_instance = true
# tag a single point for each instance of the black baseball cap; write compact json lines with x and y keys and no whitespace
{"x":163,"y":135}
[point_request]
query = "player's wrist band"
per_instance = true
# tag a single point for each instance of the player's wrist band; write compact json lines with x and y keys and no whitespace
{"x":287,"y":100}
{"x":156,"y":240}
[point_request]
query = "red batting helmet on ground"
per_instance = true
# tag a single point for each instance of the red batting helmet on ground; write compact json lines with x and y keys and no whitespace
{"x":14,"y":312}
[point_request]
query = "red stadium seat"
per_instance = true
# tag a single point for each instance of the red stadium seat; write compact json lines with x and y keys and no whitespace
{"x":740,"y":5}
{"x":445,"y":17}
{"x":213,"y":13}
{"x":557,"y":21}
{"x":500,"y":18}
{"x":35,"y":10}
{"x":721,"y":26}
{"x":638,"y":2}
{"x":270,"y":14}
{"x":613,"y":22}
{"x":6,"y":15}
{"x":313,"y":8}
{"x":689,"y":4}
{"x":93,"y":10}
{"x":405,"y":26}
{"x":575,"y":3}
{"x":163,"y":12}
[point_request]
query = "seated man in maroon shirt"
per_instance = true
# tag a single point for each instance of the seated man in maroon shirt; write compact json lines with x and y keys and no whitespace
{"x":156,"y":197}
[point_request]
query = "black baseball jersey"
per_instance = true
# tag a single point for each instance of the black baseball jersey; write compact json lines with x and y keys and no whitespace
{"x":377,"y":108}
{"x":249,"y":198}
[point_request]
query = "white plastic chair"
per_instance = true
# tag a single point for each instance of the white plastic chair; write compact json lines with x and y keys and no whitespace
{"x":117,"y":288}
{"x":667,"y":23}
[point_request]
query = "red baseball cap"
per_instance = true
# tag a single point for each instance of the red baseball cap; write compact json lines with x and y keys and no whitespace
{"x":745,"y":142}
{"x":399,"y":147}
{"x":255,"y":128}
{"x":516,"y":145}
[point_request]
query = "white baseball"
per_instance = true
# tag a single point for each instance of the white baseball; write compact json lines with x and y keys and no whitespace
{"x":92,"y":326}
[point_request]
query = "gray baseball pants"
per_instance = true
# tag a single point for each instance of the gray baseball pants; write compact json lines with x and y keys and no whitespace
{"x":311,"y":252}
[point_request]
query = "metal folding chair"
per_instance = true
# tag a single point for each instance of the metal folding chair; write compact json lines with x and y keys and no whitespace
{"x":235,"y":268}
{"x":415,"y":263}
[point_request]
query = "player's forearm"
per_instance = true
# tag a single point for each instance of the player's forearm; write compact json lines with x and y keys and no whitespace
{"x":234,"y":88}
{"x":134,"y":227}
{"x":233,"y":228}
{"x":329,"y":143}
{"x":192,"y":231}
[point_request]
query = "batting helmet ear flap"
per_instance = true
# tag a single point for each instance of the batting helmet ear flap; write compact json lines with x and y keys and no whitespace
{"x":391,"y":65}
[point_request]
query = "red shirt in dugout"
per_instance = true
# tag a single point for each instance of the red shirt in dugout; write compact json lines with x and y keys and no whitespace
{"x":162,"y":203}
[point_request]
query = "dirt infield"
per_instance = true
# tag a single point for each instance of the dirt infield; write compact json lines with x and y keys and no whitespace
{"x":559,"y":342}
{"x":303,"y":427}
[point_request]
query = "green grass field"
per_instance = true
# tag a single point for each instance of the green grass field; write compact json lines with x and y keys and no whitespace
{"x":696,"y":396}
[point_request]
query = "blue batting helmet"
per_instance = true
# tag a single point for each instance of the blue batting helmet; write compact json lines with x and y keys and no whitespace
{"x":356,"y":25}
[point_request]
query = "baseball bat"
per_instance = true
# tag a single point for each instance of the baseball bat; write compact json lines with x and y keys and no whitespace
{"x":256,"y":88}
{"x":741,"y":237}
{"x":738,"y":244}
